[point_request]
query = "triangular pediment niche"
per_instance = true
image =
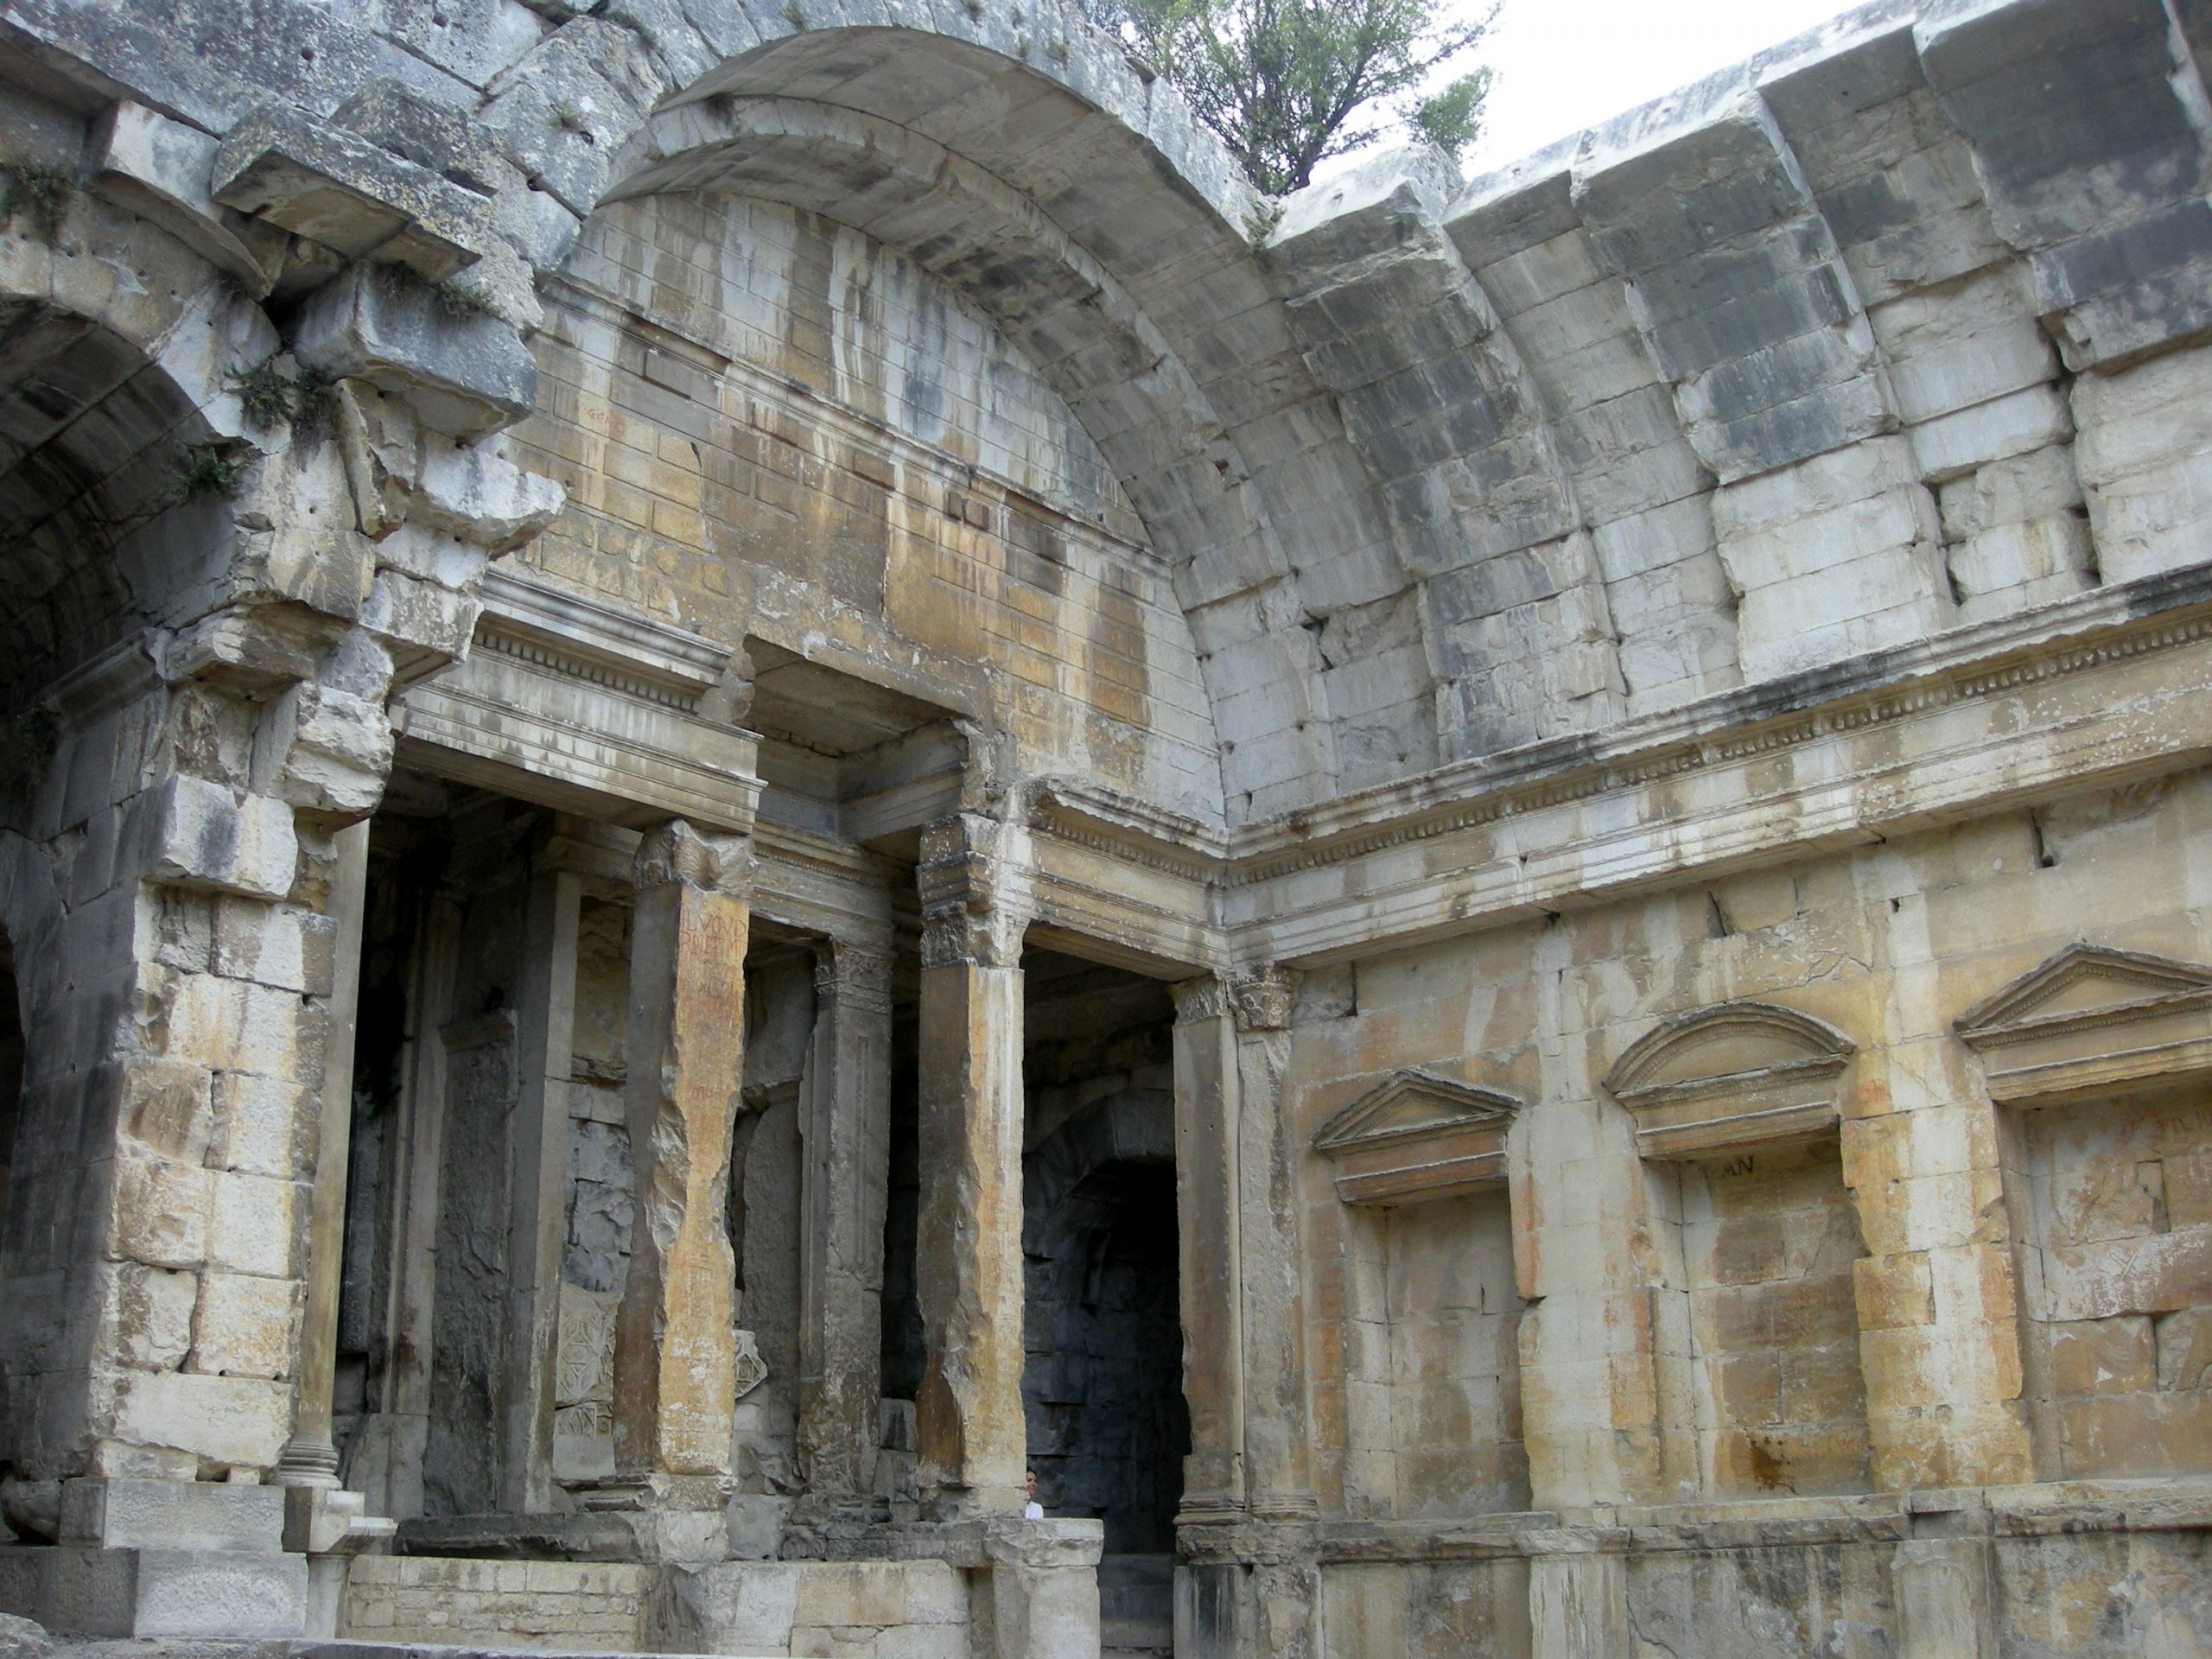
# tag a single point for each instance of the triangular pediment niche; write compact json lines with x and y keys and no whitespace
{"x":1418,"y":1137}
{"x":1721,"y":1079}
{"x":2090,"y":1019}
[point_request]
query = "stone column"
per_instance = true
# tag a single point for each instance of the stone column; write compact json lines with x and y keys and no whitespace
{"x":845,"y":1123}
{"x":1208,"y":1237}
{"x":310,"y":1457}
{"x":675,"y":1352}
{"x":545,"y":1008}
{"x":968,"y":1418}
{"x":1278,"y":1432}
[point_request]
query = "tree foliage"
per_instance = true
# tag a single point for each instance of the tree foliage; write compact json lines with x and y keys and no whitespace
{"x":1289,"y":84}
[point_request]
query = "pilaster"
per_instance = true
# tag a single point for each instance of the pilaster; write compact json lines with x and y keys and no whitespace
{"x":1209,"y":1235}
{"x":675,"y":1355}
{"x":846,"y":1127}
{"x":968,"y":1417}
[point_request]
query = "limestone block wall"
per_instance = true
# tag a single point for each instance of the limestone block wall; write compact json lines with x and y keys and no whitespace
{"x":2116,"y":1283}
{"x":1896,"y":1261}
{"x":1941,"y":1290}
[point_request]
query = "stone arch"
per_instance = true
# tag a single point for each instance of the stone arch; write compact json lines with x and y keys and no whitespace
{"x":1135,"y":1126}
{"x":107,"y":390}
{"x":1039,"y":172}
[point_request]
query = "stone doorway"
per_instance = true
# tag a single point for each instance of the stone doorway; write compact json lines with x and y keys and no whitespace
{"x":1103,"y":1386}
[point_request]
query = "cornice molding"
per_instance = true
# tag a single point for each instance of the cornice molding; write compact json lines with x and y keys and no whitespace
{"x":1725,"y":1078}
{"x":2089,"y":1018}
{"x":1418,"y":1137}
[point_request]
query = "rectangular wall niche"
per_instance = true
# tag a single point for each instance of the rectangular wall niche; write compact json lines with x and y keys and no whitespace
{"x":1434,"y":1377}
{"x":2103,"y":1059}
{"x":1756,"y":1328}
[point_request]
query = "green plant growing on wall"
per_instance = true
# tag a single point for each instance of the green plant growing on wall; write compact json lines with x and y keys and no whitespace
{"x":39,"y":195}
{"x":210,"y":470}
{"x":265,"y":395}
{"x":1289,"y":84}
{"x":458,"y":302}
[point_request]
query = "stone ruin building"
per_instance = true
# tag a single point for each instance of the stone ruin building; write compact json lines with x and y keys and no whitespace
{"x":756,"y":764}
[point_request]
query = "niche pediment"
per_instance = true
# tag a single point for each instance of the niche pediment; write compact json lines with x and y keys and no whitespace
{"x":1743,"y":1074}
{"x":2092,"y":1018}
{"x":1418,"y":1137}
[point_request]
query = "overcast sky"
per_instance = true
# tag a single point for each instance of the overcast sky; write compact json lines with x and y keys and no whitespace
{"x":1565,"y":64}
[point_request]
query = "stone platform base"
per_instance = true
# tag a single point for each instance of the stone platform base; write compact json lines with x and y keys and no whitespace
{"x":89,"y":1591}
{"x":872,"y":1610}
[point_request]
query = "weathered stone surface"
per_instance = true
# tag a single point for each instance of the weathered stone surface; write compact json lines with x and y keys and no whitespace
{"x":1739,"y":572}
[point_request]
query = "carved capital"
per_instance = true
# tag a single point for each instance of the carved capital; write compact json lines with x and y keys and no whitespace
{"x":974,"y":907}
{"x":1204,"y":998}
{"x":675,"y":853}
{"x":853,"y":976}
{"x":1260,"y":997}
{"x":965,"y":931}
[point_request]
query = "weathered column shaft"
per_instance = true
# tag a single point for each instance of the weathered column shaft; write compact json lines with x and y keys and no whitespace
{"x":545,"y":1043}
{"x":310,"y":1457}
{"x":846,"y":1126}
{"x":1278,"y":1432}
{"x":968,"y":1417}
{"x":1208,"y":1244}
{"x":674,"y":1356}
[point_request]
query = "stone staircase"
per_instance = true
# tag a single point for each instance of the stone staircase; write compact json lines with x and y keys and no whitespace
{"x":1136,"y":1606}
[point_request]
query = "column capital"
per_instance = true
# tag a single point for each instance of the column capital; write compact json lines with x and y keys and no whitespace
{"x":1206,"y":997}
{"x":852,"y":975}
{"x":975,"y":906}
{"x":674,"y":852}
{"x":1260,"y":996}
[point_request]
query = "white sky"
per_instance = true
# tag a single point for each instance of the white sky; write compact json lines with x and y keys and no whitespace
{"x":1565,"y":64}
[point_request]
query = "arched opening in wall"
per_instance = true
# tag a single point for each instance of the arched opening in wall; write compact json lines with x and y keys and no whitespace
{"x":1107,"y":1424}
{"x":102,"y":515}
{"x":101,"y":535}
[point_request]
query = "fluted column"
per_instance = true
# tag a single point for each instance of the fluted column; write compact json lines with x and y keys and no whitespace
{"x":1208,"y":1237}
{"x":968,"y":1417}
{"x":675,"y":1353}
{"x":845,"y":1123}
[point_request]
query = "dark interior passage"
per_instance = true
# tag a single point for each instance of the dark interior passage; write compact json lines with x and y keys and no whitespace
{"x":1102,"y":1386}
